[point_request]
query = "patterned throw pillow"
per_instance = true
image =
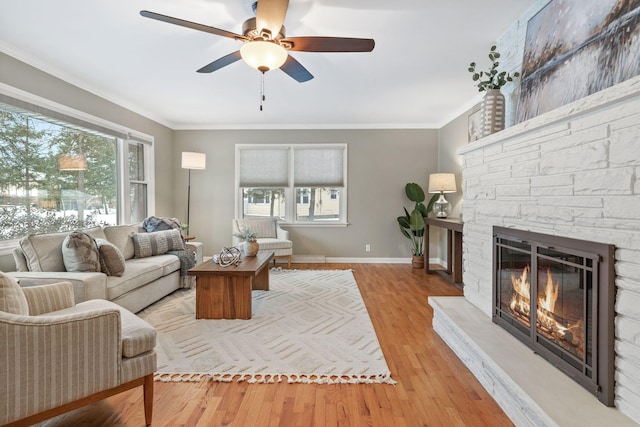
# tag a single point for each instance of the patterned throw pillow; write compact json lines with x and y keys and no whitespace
{"x":156,"y":243}
{"x":80,"y":253}
{"x":111,"y":259}
{"x":12,"y":299}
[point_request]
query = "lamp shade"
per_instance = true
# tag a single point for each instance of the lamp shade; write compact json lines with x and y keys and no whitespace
{"x":72,"y":162}
{"x":442,"y":182}
{"x":191,"y":160}
{"x":263,"y":55}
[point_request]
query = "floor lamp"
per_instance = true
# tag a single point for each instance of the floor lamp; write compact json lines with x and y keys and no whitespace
{"x":191,"y":160}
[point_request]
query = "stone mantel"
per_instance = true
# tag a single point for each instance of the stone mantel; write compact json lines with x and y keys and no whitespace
{"x":562,"y":115}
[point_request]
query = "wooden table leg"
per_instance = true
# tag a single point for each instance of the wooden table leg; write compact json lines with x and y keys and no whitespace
{"x":220,"y":297}
{"x":261,"y":281}
{"x":239,"y":301}
{"x":209,"y":295}
{"x":449,"y":252}
{"x":457,"y":263}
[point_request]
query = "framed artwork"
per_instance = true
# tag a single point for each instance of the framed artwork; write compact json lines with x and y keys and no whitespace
{"x":475,"y":131}
{"x":574,"y":48}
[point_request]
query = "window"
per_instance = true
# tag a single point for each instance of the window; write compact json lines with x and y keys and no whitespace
{"x":313,"y":176}
{"x":60,"y":173}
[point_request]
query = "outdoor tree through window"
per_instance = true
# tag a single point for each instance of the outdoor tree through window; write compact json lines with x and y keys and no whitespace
{"x":58,"y":177}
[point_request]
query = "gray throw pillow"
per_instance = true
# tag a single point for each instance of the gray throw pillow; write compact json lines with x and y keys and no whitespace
{"x":12,"y":299}
{"x":80,"y":253}
{"x":156,"y":243}
{"x":111,"y":259}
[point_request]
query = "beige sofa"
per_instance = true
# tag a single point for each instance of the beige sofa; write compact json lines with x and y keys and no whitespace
{"x":39,"y":261}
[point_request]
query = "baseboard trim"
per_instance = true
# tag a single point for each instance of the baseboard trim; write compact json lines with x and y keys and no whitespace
{"x":321,"y":259}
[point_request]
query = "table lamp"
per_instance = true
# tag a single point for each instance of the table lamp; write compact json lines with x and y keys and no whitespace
{"x":442,"y":183}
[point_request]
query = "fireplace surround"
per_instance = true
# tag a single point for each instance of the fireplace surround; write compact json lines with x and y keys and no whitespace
{"x":572,"y":172}
{"x":556,"y":295}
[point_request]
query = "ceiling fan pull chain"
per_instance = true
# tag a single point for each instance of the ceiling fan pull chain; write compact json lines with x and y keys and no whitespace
{"x":262,"y":97}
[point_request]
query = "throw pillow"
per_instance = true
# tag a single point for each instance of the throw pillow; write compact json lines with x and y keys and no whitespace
{"x":111,"y":259}
{"x":153,"y":224}
{"x":12,"y":299}
{"x":157,"y":243}
{"x":80,"y":253}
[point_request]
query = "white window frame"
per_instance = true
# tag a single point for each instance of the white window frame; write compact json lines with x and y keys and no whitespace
{"x":289,"y":190}
{"x":122,"y":146}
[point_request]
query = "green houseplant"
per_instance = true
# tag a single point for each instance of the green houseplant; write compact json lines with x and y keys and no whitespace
{"x":491,"y":79}
{"x":492,"y":108}
{"x":412,"y":223}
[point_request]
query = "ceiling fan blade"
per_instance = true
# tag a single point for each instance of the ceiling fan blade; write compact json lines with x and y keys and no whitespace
{"x":296,"y":70}
{"x":192,"y":25}
{"x":270,"y":15}
{"x":221,"y":62}
{"x":330,"y":44}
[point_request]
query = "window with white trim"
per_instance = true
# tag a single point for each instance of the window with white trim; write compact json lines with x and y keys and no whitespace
{"x":60,"y":172}
{"x":296,"y":183}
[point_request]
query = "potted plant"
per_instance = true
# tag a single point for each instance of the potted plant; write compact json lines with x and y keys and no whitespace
{"x":250,"y":244}
{"x":412,"y":223}
{"x":492,"y":108}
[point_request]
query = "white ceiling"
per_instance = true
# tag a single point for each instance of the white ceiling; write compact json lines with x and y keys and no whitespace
{"x":415,"y":77}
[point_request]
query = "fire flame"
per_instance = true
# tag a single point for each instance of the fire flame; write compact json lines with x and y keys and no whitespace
{"x":546,"y":317}
{"x":520,"y":301}
{"x":569,"y":336}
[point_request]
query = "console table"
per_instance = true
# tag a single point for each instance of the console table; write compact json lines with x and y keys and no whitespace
{"x":453,"y":273}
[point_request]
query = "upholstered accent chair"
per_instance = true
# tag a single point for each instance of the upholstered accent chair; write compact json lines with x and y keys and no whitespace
{"x":270,"y":236}
{"x":58,"y":356}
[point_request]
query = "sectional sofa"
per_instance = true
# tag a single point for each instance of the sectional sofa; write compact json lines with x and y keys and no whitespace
{"x":138,"y":271}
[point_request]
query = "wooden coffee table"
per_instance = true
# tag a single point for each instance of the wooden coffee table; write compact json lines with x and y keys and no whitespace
{"x":225,"y":292}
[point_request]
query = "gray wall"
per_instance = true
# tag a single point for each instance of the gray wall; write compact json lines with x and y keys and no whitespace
{"x":381,"y":162}
{"x":451,"y":136}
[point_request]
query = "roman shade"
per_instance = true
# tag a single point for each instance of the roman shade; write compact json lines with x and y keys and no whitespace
{"x":263,"y":167}
{"x":318,"y":167}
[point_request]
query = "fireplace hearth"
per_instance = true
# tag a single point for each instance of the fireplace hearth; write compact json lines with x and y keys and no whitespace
{"x":557,"y":296}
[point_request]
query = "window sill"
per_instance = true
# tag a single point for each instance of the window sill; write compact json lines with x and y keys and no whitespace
{"x":313,"y":224}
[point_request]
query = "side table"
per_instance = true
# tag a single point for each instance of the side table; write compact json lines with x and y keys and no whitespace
{"x":453,"y":273}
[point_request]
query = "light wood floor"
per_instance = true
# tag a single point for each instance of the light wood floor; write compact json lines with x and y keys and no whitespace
{"x":434,"y":388}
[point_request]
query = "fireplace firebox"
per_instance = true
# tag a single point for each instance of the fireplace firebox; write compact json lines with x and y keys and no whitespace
{"x":557,"y":295}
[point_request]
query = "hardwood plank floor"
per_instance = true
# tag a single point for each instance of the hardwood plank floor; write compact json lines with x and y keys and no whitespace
{"x":434,"y":388}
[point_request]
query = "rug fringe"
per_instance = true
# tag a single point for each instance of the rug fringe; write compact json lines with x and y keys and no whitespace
{"x":276,"y":378}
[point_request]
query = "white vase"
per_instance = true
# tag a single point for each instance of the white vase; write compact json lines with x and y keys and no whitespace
{"x":492,"y":111}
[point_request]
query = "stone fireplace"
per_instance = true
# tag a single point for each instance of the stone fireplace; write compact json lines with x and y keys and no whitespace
{"x":556,"y":295}
{"x":571,"y":173}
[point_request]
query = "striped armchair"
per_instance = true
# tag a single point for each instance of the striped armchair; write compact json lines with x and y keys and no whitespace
{"x":59,"y":356}
{"x":270,"y":236}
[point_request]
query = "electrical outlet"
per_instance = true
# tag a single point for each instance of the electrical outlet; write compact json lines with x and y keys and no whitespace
{"x":367,"y":248}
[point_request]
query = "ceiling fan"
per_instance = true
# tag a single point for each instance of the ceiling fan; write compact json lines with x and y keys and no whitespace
{"x":265,"y":43}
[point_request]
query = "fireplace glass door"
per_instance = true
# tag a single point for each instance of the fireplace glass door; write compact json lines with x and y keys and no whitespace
{"x":544,"y":295}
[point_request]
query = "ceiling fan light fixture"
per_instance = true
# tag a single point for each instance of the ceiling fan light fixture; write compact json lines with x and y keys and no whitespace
{"x":263,"y":55}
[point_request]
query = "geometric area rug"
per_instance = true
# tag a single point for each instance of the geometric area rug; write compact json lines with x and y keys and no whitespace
{"x":311,"y":327}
